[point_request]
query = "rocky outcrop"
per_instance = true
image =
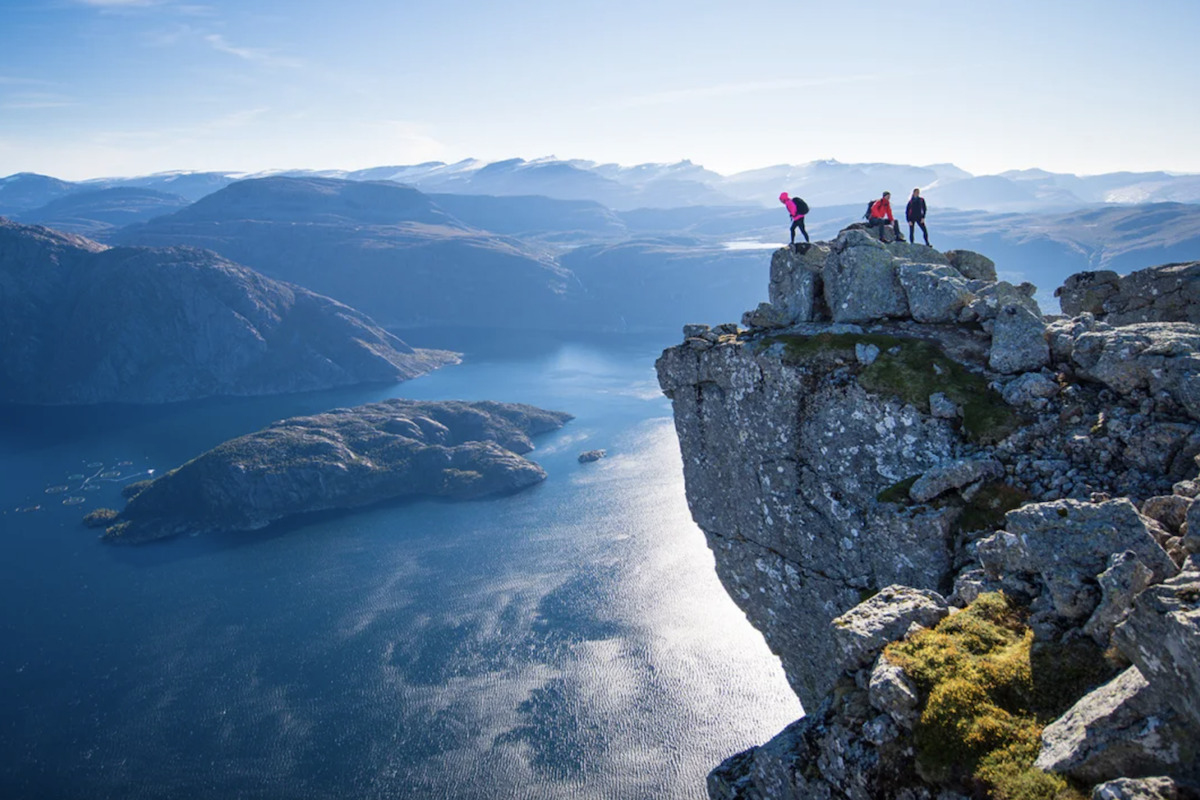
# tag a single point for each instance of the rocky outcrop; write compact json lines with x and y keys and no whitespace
{"x":81,"y":323}
{"x":899,"y":426}
{"x":1169,"y":293}
{"x":345,"y":458}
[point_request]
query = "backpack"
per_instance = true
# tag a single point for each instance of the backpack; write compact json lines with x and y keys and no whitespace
{"x":801,"y":206}
{"x":870,"y":205}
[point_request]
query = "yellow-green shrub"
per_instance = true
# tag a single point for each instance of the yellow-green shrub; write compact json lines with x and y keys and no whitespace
{"x":982,"y":719}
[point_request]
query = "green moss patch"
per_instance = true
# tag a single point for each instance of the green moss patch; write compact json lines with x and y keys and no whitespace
{"x":911,"y":370}
{"x":987,"y":692}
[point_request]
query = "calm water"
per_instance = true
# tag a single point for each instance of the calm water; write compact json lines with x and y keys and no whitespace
{"x":568,"y":641}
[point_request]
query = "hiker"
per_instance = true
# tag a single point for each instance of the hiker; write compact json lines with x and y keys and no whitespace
{"x":881,"y":214}
{"x":797,"y":208}
{"x":914,"y":212}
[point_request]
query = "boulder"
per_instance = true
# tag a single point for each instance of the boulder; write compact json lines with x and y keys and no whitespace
{"x":1162,"y":637}
{"x":1030,"y":390}
{"x":954,"y":475}
{"x":1125,"y":577}
{"x":767,"y":316}
{"x":863,"y":631}
{"x":1154,"y":357}
{"x":1156,"y":788}
{"x":1019,"y":341}
{"x":943,"y":407}
{"x":796,"y":284}
{"x":935,"y":293}
{"x":1069,"y":543}
{"x":1167,"y":293}
{"x":972,"y":265}
{"x":861,"y":282}
{"x":1087,"y":292}
{"x":891,"y":692}
{"x":1122,"y":729}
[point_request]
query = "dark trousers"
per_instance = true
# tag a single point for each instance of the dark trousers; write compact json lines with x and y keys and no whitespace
{"x":924,"y":230}
{"x":798,"y":222}
{"x":881,"y":223}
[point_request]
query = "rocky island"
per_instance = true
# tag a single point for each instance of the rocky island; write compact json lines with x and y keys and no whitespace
{"x":969,"y":531}
{"x":83,"y":323}
{"x":341,"y":459}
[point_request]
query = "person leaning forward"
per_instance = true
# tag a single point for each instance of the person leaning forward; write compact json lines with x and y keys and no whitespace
{"x":881,"y":215}
{"x":914,"y":212}
{"x":796,"y":209}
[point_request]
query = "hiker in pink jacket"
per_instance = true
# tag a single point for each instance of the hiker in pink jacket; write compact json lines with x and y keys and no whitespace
{"x":797,"y":208}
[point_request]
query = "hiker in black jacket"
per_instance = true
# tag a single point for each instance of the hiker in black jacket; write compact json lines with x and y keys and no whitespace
{"x":914,"y":212}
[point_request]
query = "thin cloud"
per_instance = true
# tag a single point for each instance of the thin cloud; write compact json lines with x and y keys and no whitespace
{"x":735,"y":89}
{"x":254,"y":55}
{"x":12,"y":80}
{"x":35,"y":100}
{"x":118,"y":3}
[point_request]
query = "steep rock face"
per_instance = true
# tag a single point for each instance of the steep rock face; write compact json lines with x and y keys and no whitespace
{"x":345,"y":458}
{"x":783,"y":465}
{"x":81,"y":323}
{"x":826,"y":460}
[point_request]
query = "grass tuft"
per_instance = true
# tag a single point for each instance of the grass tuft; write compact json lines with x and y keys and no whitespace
{"x":987,"y":691}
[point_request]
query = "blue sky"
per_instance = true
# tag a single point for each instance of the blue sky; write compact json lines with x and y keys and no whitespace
{"x":92,"y":88}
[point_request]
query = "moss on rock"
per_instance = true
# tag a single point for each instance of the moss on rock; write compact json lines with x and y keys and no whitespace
{"x":912,"y":370}
{"x":985,"y":699}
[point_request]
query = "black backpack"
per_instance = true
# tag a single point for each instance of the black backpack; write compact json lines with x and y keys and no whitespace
{"x":870,"y":205}
{"x":801,"y":206}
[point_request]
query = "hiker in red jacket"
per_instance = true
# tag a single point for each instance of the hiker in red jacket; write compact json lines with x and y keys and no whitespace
{"x":797,"y":208}
{"x":914,"y":212}
{"x":881,"y":215}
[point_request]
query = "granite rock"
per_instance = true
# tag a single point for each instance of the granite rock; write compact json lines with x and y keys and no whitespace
{"x":862,"y":632}
{"x":1123,"y":729}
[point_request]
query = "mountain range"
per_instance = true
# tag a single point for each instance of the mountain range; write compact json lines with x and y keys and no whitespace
{"x":403,"y":258}
{"x":823,"y":183}
{"x":193,"y":284}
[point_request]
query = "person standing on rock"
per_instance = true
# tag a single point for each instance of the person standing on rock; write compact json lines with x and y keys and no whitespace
{"x":914,"y":212}
{"x":881,"y":215}
{"x":797,"y":208}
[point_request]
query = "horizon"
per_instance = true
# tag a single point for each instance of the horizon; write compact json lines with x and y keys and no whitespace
{"x":137,"y":87}
{"x":249,"y":175}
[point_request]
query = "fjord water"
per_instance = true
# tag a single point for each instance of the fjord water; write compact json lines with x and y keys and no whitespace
{"x":571,"y":640}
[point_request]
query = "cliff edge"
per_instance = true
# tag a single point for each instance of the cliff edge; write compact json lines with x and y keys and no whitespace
{"x":898,"y":440}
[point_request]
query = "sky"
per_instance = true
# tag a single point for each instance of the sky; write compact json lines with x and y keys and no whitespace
{"x":92,"y":88}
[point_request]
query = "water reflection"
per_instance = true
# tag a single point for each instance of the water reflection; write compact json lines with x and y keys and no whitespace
{"x":569,"y":641}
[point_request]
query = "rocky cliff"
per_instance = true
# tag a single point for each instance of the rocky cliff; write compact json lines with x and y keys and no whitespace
{"x":82,"y":323}
{"x":898,"y":448}
{"x":345,"y":458}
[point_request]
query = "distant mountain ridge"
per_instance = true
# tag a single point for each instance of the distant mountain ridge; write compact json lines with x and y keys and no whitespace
{"x":823,"y":182}
{"x":405,"y":259}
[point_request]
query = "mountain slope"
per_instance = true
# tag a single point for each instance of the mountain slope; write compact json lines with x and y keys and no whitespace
{"x":386,"y":249}
{"x":96,"y":213}
{"x":80,"y":323}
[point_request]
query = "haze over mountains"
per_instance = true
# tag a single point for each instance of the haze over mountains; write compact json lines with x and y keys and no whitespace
{"x":542,"y":245}
{"x":825,"y":183}
{"x":84,"y":323}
